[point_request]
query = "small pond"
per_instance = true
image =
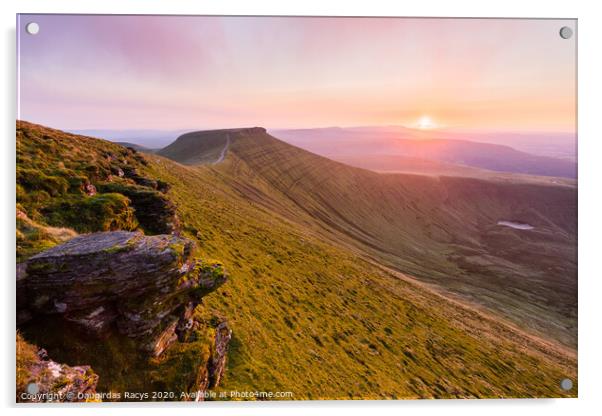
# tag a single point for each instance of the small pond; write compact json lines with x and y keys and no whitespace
{"x":516,"y":225}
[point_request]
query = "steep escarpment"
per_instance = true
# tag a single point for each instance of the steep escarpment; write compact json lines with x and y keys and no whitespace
{"x":443,"y":230}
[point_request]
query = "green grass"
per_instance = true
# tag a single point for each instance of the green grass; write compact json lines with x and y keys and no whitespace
{"x":53,"y":169}
{"x":26,"y":357}
{"x":316,"y":319}
{"x":33,"y":237}
{"x":103,"y":212}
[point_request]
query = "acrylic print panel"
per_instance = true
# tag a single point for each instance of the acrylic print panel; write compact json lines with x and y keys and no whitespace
{"x":295,"y":208}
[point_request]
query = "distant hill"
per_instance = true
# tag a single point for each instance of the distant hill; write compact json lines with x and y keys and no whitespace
{"x":136,"y":147}
{"x":208,"y":146}
{"x":152,"y":139}
{"x":379,"y":145}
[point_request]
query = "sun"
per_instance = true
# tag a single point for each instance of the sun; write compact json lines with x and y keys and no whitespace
{"x":425,"y":123}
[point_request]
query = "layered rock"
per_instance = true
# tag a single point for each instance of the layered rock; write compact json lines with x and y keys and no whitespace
{"x":217,"y":364}
{"x":144,"y":287}
{"x":211,"y":375}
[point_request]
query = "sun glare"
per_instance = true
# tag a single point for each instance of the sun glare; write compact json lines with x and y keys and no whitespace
{"x":425,"y":122}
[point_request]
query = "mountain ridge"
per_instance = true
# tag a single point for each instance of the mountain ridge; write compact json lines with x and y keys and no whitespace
{"x":436,"y":228}
{"x":478,"y":151}
{"x":205,"y":146}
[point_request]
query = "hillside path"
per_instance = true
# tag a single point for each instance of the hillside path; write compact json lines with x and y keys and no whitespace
{"x":224,"y":150}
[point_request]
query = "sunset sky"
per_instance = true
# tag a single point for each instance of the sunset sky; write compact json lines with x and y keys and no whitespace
{"x":175,"y":72}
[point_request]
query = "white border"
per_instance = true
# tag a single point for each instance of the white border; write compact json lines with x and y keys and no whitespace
{"x":590,"y":181}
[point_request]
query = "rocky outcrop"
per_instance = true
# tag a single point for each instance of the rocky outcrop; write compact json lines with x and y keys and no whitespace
{"x":40,"y":379}
{"x":144,"y":287}
{"x":217,"y":364}
{"x":133,"y":174}
{"x":211,"y":375}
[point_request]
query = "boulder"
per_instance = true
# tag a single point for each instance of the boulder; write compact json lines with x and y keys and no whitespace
{"x":144,"y":287}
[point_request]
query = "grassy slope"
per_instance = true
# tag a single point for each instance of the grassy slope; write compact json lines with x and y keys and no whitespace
{"x":440,"y":229}
{"x":316,"y":319}
{"x":53,"y":169}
